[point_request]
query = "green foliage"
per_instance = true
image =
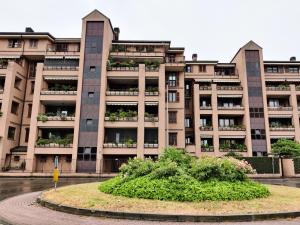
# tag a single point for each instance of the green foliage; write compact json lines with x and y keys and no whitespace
{"x":297,"y":165}
{"x":223,"y":169}
{"x":285,"y":147}
{"x":184,"y":188}
{"x":42,"y":117}
{"x":177,"y":176}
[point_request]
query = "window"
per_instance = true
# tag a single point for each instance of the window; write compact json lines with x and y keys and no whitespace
{"x":272,"y":69}
{"x":33,"y":43}
{"x":91,"y":94}
{"x":14,"y":107}
{"x":172,"y":138}
{"x":274,"y":103}
{"x":204,"y":122}
{"x":187,"y":103}
{"x":256,"y":112}
{"x":26,"y":134}
{"x":189,"y":140}
{"x":257,"y":134}
{"x":18,"y":82}
{"x":16,"y":158}
{"x":87,"y":154}
{"x":172,"y":117}
{"x":14,"y":43}
{"x":188,"y":69}
{"x":173,"y":96}
{"x":29,"y":110}
{"x":43,"y":158}
{"x":202,"y":68}
{"x":226,"y":122}
{"x":68,"y":158}
{"x":188,"y":122}
{"x":32,"y":84}
{"x":89,"y":122}
{"x":92,"y":68}
{"x":293,"y":69}
{"x":11,"y":133}
{"x":172,"y":80}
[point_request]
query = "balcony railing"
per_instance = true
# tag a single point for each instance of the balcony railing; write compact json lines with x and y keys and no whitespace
{"x":205,"y":107}
{"x":62,"y":48}
{"x":278,"y":88}
{"x":282,"y":128}
{"x":175,"y":59}
{"x":151,"y":93}
{"x":125,"y":119}
{"x":55,"y":143}
{"x":3,"y":66}
{"x":133,"y":92}
{"x":122,"y":68}
{"x":63,"y":68}
{"x":150,"y":145}
{"x":280,"y":108}
{"x":49,"y":92}
{"x":203,"y":88}
{"x":230,"y":88}
{"x":45,"y":118}
{"x":206,"y":128}
{"x":151,"y":119}
{"x":119,"y":145}
{"x":297,"y":88}
{"x":233,"y":128}
{"x":233,"y":148}
{"x":230,"y":107}
{"x":207,"y":148}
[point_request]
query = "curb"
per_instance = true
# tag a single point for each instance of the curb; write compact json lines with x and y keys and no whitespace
{"x":166,"y":217}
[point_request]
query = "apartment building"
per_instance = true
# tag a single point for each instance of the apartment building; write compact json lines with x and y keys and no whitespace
{"x":97,"y":101}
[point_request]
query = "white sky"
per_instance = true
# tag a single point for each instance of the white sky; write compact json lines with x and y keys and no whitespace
{"x":215,"y":29}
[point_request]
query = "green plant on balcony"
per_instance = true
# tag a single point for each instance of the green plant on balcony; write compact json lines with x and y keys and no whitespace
{"x":152,"y":89}
{"x":1,"y":114}
{"x":62,"y":87}
{"x":133,"y":89}
{"x":152,"y":64}
{"x":42,"y":142}
{"x":120,"y":114}
{"x":42,"y":117}
{"x":150,"y":117}
{"x":3,"y":62}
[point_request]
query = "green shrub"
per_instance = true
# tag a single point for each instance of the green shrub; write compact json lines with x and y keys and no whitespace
{"x":177,"y":176}
{"x":285,"y":147}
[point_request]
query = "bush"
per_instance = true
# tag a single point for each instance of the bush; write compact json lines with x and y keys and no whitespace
{"x":177,"y":176}
{"x":223,"y":169}
{"x":285,"y":147}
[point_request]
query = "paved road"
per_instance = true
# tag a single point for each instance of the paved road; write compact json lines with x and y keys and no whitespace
{"x":24,"y":211}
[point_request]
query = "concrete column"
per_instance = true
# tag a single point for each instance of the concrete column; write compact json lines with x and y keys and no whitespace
{"x":197,"y":119}
{"x":30,"y":160}
{"x":294,"y":104}
{"x":162,"y":112}
{"x":141,"y":112}
{"x":215,"y":121}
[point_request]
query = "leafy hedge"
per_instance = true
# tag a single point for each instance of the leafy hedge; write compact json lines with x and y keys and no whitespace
{"x":297,"y":165}
{"x":263,"y":165}
{"x":177,"y":176}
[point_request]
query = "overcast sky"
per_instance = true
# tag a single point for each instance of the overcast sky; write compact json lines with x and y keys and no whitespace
{"x":215,"y":29}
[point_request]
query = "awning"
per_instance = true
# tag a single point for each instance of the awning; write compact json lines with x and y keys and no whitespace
{"x":60,"y":77}
{"x":203,"y":80}
{"x":72,"y":57}
{"x":9,"y":56}
{"x":226,"y":80}
{"x":232,"y":136}
{"x":280,"y":116}
{"x":54,"y":57}
{"x":151,"y":103}
{"x":230,"y":96}
{"x":121,"y":103}
{"x":282,"y":79}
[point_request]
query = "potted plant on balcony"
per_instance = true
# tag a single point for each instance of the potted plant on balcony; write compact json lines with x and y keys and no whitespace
{"x":42,"y":117}
{"x":42,"y":142}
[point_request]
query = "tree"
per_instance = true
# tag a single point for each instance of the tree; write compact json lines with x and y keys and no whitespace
{"x":285,"y":147}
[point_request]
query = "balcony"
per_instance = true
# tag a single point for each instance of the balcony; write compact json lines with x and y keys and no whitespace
{"x":60,"y":88}
{"x":60,"y":63}
{"x":151,"y":87}
{"x":137,"y":50}
{"x":206,"y":128}
{"x":281,"y":124}
{"x":3,"y":63}
{"x":55,"y":138}
{"x":226,"y":72}
{"x":280,"y":108}
{"x":231,"y":123}
{"x":225,"y":103}
{"x":122,"y":87}
{"x":175,"y":63}
{"x":57,"y":112}
{"x":205,"y":102}
{"x":121,"y":115}
{"x":232,"y":145}
{"x":207,"y":144}
{"x":63,"y":47}
{"x":151,"y":138}
{"x":151,"y":112}
{"x":120,"y":138}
